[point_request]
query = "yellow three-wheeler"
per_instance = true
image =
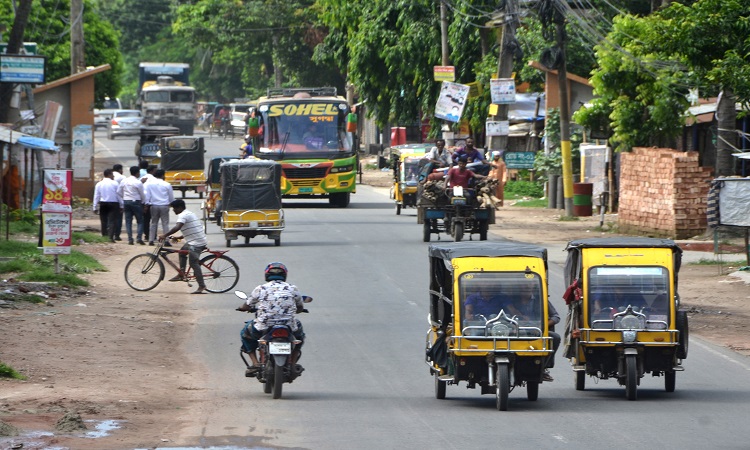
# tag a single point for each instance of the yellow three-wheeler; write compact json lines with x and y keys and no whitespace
{"x":251,"y":200}
{"x":183,"y":161}
{"x":488,"y":317}
{"x":623,"y":317}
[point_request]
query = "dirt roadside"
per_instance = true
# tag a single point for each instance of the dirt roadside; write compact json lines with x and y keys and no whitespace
{"x":113,"y":354}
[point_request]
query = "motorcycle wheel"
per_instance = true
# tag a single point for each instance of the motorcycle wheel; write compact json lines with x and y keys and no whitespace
{"x":268,"y":385}
{"x":278,"y":380}
{"x":458,"y":232}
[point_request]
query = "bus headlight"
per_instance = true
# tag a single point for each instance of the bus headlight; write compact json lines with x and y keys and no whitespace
{"x":342,"y":169}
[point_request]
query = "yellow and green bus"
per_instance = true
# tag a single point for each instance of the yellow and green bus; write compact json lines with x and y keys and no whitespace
{"x":305,"y":129}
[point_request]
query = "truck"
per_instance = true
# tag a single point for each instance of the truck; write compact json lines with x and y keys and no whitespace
{"x":165,"y":96}
{"x":307,"y":131}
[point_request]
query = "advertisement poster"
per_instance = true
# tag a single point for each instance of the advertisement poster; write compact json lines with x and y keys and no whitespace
{"x":83,"y":151}
{"x":450,"y":104}
{"x":56,"y":196}
{"x":498,"y":128}
{"x":56,"y":231}
{"x":444,"y":73}
{"x":503,"y":91}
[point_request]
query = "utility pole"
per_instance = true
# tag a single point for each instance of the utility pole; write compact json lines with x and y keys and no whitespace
{"x":445,"y":61}
{"x":505,"y":65}
{"x":565,"y":150}
{"x":77,"y":60}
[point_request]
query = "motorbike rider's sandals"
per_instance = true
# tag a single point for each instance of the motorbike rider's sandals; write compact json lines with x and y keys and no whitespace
{"x":252,"y":370}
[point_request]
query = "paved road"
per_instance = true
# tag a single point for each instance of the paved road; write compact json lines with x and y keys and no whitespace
{"x":366,"y":383}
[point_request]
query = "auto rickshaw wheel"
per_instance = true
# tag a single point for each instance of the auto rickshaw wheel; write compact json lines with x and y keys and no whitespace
{"x":247,"y":240}
{"x":184,"y":193}
{"x":483,"y":226}
{"x":532,"y":390}
{"x":229,"y":243}
{"x":670,"y":381}
{"x":682,"y":327}
{"x":427,"y":230}
{"x":580,"y":380}
{"x":458,"y":231}
{"x":440,"y":387}
{"x":503,"y":387}
{"x":398,"y":209}
{"x":277,"y":242}
{"x":631,"y":377}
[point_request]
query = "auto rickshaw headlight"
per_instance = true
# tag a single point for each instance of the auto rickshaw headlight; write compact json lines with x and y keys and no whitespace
{"x":629,"y":336}
{"x":500,"y":329}
{"x":631,"y":322}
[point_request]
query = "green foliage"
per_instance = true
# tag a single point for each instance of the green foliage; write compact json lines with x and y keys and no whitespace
{"x":34,"y":266}
{"x":9,"y":372}
{"x":49,"y":27}
{"x":521,"y":188}
{"x":532,"y":203}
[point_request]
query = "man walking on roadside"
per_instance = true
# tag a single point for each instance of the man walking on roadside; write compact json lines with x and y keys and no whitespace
{"x":118,"y":177}
{"x":159,"y":195}
{"x":147,"y":178}
{"x":133,"y":196}
{"x":107,"y":204}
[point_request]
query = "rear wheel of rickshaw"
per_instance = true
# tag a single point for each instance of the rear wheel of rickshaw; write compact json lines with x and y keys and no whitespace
{"x":426,"y":230}
{"x":398,"y":209}
{"x":439,"y":387}
{"x":503,"y":387}
{"x":229,"y":243}
{"x":631,"y":377}
{"x":670,"y":381}
{"x":458,"y":231}
{"x":277,"y":242}
{"x":532,"y":390}
{"x":580,"y":380}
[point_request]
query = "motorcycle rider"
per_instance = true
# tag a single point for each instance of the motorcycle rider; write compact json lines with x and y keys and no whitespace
{"x":273,"y":300}
{"x":246,"y":149}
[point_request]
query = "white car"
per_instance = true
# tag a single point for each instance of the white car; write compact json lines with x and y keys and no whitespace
{"x":125,"y":122}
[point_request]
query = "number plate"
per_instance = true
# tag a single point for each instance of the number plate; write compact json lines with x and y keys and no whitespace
{"x":305,"y":190}
{"x":280,"y":348}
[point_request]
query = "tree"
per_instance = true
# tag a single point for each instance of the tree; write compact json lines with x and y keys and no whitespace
{"x":49,"y":22}
{"x":647,"y":65}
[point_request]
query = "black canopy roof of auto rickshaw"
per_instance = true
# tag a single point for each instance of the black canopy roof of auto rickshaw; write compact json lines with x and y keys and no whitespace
{"x":250,"y":184}
{"x":182,"y":153}
{"x":624,"y":242}
{"x":214,"y":174}
{"x":486,"y":249}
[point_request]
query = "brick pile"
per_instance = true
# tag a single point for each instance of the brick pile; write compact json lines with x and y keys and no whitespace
{"x":663,"y":192}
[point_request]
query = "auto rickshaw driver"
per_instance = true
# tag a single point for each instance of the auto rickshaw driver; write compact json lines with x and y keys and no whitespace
{"x":483,"y":303}
{"x":617,"y":300}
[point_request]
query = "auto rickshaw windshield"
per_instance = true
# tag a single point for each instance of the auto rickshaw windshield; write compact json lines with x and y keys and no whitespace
{"x":515,"y":293}
{"x":410,"y":171}
{"x":613,"y":289}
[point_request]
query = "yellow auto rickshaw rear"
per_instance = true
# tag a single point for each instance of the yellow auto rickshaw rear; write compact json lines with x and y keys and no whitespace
{"x":182,"y":158}
{"x":624,"y":320}
{"x":489,"y":318}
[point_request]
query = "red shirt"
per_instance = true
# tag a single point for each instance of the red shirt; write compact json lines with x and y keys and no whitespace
{"x":458,"y":178}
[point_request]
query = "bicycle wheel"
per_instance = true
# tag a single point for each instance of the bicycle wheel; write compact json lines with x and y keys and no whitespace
{"x":144,"y":272}
{"x":220,"y":273}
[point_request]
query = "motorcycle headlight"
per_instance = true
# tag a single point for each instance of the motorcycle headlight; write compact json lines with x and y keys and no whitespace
{"x":500,"y":329}
{"x":629,"y":336}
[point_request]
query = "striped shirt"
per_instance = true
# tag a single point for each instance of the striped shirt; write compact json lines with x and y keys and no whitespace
{"x":192,"y":229}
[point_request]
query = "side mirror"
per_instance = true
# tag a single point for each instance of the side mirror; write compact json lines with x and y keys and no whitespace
{"x":241,"y":295}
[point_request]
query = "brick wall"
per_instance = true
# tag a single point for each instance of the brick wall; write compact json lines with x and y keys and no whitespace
{"x":663,"y":193}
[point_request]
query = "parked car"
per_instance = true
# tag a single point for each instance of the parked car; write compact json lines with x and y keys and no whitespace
{"x":124,"y":122}
{"x":104,"y":115}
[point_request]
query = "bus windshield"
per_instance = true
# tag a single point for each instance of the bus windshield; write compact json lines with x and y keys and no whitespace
{"x":310,"y":129}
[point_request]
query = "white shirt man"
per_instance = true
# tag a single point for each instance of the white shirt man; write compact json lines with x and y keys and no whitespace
{"x":107,"y":204}
{"x":131,"y":191}
{"x":159,"y":195}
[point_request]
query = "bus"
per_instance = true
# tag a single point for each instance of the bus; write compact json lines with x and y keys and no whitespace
{"x":305,"y":129}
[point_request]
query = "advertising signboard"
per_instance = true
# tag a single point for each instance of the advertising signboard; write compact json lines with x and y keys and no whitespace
{"x":519,"y":160}
{"x":451,"y":102}
{"x":56,"y":232}
{"x":22,"y":69}
{"x":503,"y":91}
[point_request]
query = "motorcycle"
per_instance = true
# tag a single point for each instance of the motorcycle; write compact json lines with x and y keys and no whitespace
{"x":275,"y":350}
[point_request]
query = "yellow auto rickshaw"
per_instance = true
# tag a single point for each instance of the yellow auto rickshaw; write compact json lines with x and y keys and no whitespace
{"x":212,"y":205}
{"x":623,"y":318}
{"x":405,"y":180}
{"x":183,"y":161}
{"x":488,"y":318}
{"x":251,"y":200}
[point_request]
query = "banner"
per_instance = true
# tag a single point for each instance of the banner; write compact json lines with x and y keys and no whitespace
{"x":56,"y":233}
{"x":56,"y":196}
{"x":83,"y":151}
{"x":450,"y":104}
{"x":498,"y":128}
{"x":444,"y":73}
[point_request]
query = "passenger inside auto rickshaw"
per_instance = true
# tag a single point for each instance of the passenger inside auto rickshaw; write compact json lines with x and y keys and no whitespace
{"x":484,"y":302}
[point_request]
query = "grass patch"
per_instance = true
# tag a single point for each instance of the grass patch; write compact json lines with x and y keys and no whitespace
{"x":32,"y":265}
{"x":88,"y":237}
{"x":716,"y":262}
{"x":9,"y":372}
{"x":564,"y":218}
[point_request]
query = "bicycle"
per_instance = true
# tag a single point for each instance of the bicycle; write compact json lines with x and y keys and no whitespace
{"x":145,"y":271}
